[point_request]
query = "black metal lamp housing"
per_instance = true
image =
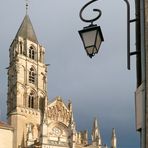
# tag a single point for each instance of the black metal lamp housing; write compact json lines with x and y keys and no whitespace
{"x":92,"y":38}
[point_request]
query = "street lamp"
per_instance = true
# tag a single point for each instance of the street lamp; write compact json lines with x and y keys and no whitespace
{"x":91,"y":35}
{"x":92,"y":39}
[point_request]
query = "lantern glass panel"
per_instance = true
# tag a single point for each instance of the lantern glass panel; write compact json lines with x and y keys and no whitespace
{"x":89,"y":38}
{"x":90,"y":50}
{"x":98,"y":41}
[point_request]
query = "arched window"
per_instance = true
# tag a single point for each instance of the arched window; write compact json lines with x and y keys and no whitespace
{"x":21,"y":47}
{"x":31,"y":100}
{"x":41,"y":56}
{"x":32,"y":75}
{"x":32,"y":53}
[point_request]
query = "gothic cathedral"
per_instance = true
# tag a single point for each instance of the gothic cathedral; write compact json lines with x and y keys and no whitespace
{"x":35,"y":121}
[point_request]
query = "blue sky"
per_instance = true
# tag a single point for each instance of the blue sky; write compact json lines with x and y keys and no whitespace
{"x":100,"y":87}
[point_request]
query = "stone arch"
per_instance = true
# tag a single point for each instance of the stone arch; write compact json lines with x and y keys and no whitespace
{"x":32,"y":52}
{"x":41,"y":100}
{"x":32,"y":75}
{"x":44,"y":81}
{"x":22,"y":72}
{"x":20,"y":94}
{"x":32,"y":99}
{"x":41,"y":54}
{"x":35,"y":131}
{"x":62,"y":135}
{"x":21,"y":49}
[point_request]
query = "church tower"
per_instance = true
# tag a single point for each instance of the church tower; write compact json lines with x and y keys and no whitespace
{"x":27,"y":78}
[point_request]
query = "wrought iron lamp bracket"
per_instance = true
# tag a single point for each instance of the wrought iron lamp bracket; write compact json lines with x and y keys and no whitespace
{"x":129,"y":53}
{"x":90,"y":20}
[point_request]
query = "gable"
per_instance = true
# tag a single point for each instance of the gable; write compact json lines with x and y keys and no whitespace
{"x":58,"y":111}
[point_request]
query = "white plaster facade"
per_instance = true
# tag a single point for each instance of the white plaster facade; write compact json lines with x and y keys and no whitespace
{"x":6,"y":135}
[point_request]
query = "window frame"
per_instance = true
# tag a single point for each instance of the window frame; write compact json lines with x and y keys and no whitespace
{"x":32,"y":75}
{"x":31,"y":99}
{"x":32,"y":53}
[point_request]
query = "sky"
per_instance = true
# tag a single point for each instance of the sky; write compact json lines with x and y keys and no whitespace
{"x":100,"y":87}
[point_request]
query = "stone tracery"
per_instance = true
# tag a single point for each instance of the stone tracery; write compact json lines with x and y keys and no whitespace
{"x":58,"y":111}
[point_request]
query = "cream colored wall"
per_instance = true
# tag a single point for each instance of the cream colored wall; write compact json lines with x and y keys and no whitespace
{"x":25,"y":63}
{"x":6,"y":138}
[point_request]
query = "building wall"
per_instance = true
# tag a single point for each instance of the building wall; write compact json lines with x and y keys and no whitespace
{"x":6,"y":137}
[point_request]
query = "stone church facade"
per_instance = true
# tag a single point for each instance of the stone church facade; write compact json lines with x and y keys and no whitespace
{"x":35,"y":121}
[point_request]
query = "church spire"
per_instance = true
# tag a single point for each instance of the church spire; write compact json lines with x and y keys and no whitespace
{"x":26,"y":30}
{"x":96,"y":136}
{"x":113,"y":139}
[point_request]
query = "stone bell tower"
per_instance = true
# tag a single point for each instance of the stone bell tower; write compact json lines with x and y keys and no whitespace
{"x":27,"y":81}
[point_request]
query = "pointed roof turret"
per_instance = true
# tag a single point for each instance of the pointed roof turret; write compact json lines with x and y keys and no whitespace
{"x":113,"y":139}
{"x":96,"y":136}
{"x":95,"y":125}
{"x":26,"y":30}
{"x":113,"y":133}
{"x":95,"y":129}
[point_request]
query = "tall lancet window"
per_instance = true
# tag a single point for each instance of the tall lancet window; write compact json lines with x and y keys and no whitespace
{"x":31,"y":100}
{"x":31,"y":53}
{"x":32,"y":75}
{"x":21,"y":47}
